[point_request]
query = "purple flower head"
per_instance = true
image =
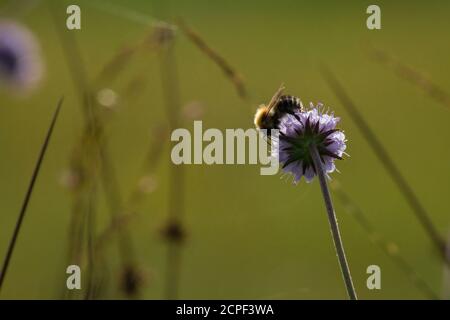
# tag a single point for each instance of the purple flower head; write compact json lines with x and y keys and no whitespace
{"x":298,"y":132}
{"x":20,"y":60}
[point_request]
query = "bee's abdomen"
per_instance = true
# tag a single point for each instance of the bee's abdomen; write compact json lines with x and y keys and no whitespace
{"x":288,"y":104}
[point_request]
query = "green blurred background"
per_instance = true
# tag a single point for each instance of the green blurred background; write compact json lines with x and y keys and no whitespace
{"x":249,"y":236}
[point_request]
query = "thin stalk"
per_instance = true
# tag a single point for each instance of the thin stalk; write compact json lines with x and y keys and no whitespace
{"x":389,"y":247}
{"x":412,"y":75}
{"x":388,"y":163}
{"x":23,"y":210}
{"x":91,"y":230}
{"x":333,"y":223}
{"x":446,"y":276}
{"x":94,"y":130}
{"x":229,"y":71}
{"x":170,"y":84}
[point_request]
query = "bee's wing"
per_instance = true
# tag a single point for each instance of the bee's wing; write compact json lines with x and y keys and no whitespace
{"x":275,"y":97}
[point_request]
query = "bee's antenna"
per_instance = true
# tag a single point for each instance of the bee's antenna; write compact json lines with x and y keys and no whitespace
{"x":275,"y":97}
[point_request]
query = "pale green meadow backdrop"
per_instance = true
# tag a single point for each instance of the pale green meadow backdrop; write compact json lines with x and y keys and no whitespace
{"x":248,"y":236}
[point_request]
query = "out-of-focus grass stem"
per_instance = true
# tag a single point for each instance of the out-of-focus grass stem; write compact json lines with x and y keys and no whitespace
{"x":91,"y":231}
{"x":388,"y":247}
{"x":93,"y":129}
{"x":446,"y":275}
{"x":154,"y":154}
{"x":387,"y":162}
{"x":411,"y":75}
{"x":230,"y":72}
{"x":171,"y":91}
{"x":75,"y":64}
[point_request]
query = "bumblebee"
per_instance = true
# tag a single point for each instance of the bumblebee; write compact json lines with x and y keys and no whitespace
{"x":268,"y":116}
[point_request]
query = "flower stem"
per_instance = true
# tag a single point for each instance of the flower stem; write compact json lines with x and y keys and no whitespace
{"x":333,"y":223}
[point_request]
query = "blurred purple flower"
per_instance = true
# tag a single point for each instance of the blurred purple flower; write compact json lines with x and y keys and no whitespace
{"x":301,"y":129}
{"x":20,"y":59}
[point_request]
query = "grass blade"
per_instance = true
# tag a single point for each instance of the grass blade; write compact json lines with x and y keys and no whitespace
{"x":386,"y":160}
{"x":173,"y":229}
{"x":388,"y":247}
{"x":212,"y":54}
{"x":23,"y":210}
{"x":94,"y":132}
{"x":411,"y":75}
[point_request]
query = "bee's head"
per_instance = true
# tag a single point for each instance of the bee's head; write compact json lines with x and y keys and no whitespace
{"x":264,"y":114}
{"x":261,"y":117}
